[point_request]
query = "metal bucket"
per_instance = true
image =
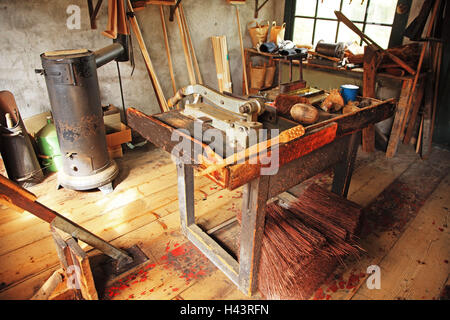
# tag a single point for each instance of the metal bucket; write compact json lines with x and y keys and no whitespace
{"x":16,"y":148}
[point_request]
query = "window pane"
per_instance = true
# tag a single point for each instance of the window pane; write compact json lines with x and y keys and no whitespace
{"x":303,"y":29}
{"x":379,"y":34}
{"x":326,"y":8}
{"x":326,"y":31}
{"x":305,"y":8}
{"x":355,"y":10}
{"x":381,"y":11}
{"x":345,"y":34}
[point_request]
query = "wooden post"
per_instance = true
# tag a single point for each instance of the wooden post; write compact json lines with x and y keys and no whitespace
{"x":344,"y":169}
{"x":49,"y":286}
{"x":371,"y":59}
{"x":75,"y":264}
{"x":400,"y":114}
{"x":412,"y":120}
{"x":252,"y":231}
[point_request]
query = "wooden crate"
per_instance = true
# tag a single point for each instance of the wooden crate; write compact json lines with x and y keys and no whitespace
{"x":115,"y":140}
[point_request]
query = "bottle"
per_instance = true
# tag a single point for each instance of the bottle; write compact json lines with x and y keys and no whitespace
{"x":48,"y":145}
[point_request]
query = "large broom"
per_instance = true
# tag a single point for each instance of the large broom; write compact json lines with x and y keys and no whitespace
{"x":303,"y":242}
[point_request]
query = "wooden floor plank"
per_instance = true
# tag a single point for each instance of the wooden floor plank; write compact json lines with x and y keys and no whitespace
{"x":417,"y":265}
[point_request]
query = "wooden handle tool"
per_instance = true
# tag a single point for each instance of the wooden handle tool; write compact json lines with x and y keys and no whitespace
{"x":283,"y":137}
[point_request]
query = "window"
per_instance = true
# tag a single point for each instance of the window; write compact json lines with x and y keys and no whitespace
{"x":314,"y":20}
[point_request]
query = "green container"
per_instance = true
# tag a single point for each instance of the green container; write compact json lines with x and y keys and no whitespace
{"x":48,"y":145}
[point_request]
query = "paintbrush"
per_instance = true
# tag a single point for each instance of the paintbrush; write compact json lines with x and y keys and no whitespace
{"x":283,"y":137}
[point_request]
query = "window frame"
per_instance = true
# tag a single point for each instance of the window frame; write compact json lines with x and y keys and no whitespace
{"x":397,"y":27}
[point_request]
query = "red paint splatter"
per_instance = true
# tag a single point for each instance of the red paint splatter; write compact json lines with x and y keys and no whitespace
{"x":328,"y":297}
{"x":178,"y":251}
{"x":175,"y":289}
{"x":220,"y":197}
{"x":185,"y":259}
{"x":333,"y":287}
{"x":319,"y":295}
{"x":353,"y":281}
{"x":441,"y":229}
{"x":342,"y":284}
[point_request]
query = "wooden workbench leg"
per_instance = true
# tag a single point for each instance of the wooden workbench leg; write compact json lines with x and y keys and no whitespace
{"x":252,"y":231}
{"x":186,"y":195}
{"x":371,"y":61}
{"x":344,"y":169}
{"x":400,"y":114}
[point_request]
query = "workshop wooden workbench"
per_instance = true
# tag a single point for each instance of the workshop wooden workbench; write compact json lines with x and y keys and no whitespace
{"x":332,"y":142}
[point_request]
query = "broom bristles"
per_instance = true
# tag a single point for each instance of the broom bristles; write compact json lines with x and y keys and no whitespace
{"x":302,"y":245}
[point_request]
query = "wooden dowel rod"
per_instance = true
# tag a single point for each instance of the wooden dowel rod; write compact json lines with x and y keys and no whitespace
{"x":244,"y":67}
{"x":436,"y":88}
{"x":191,"y":46}
{"x":187,"y":56}
{"x":148,"y":63}
{"x":169,"y":56}
{"x":419,"y":136}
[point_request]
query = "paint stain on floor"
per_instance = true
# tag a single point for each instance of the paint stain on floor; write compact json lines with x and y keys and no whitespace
{"x":173,"y":272}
